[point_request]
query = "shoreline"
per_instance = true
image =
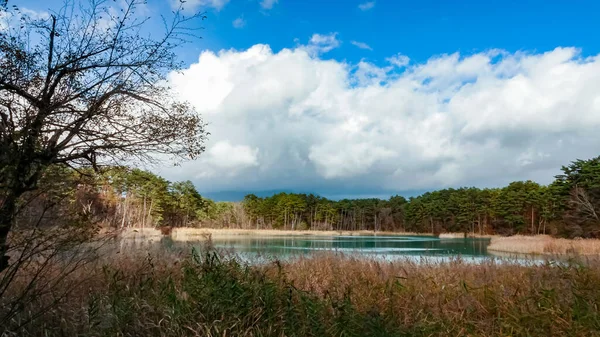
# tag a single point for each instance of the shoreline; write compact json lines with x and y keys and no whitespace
{"x":466,"y":236}
{"x":190,"y":234}
{"x":184,"y":231}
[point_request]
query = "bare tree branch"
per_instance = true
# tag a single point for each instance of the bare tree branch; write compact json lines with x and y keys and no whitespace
{"x":87,"y":86}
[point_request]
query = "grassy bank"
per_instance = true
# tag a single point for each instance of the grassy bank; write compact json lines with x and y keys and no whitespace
{"x":544,"y":245}
{"x":187,"y":234}
{"x":329,"y":295}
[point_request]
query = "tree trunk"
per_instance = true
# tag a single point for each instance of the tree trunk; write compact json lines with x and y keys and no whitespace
{"x":124,"y":210}
{"x":149,"y":216}
{"x":431,"y":221}
{"x":544,"y":227}
{"x":144,"y":213}
{"x":7,"y":216}
{"x":532,"y":225}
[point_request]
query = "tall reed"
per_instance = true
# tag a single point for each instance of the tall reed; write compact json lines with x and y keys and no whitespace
{"x":207,"y":293}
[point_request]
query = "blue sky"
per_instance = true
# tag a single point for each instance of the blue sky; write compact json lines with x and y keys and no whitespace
{"x":359,"y":98}
{"x":418,"y":29}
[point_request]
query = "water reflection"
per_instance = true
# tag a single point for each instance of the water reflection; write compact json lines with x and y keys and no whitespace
{"x":388,"y":245}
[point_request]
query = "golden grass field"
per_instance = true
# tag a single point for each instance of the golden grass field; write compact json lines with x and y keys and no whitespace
{"x":544,"y":245}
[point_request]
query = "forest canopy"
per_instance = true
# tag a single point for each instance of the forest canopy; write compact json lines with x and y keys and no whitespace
{"x":123,"y":197}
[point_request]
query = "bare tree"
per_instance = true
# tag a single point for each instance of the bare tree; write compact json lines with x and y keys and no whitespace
{"x":585,"y":205}
{"x":87,"y":86}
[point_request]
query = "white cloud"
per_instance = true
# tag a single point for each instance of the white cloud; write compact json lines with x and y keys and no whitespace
{"x":366,"y":74}
{"x":398,"y":60}
{"x":36,"y":15}
{"x":223,"y":155}
{"x":10,"y":18}
{"x":361,"y":45}
{"x":268,"y":4}
{"x":290,"y":119}
{"x":193,"y":5}
{"x":322,"y":43}
{"x":366,"y":6}
{"x":341,"y":159}
{"x":239,"y":22}
{"x":4,"y":20}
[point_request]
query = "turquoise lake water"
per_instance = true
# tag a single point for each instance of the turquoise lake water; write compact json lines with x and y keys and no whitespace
{"x":371,"y":245}
{"x":253,"y":247}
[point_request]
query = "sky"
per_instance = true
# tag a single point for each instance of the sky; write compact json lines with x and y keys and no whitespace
{"x":377,"y":98}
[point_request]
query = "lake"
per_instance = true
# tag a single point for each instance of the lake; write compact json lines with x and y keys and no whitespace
{"x":382,"y":247}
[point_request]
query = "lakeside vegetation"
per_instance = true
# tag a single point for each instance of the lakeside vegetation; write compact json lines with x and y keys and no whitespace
{"x":329,"y":295}
{"x":544,"y":245}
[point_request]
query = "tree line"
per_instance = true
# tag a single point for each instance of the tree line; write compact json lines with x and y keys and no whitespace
{"x":569,"y":206}
{"x":122,"y":197}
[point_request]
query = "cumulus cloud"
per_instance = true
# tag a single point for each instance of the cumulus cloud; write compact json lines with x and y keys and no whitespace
{"x":361,"y":45}
{"x":268,"y":4}
{"x":239,"y":22}
{"x":291,"y":120}
{"x":223,"y":155}
{"x":222,"y":160}
{"x":366,"y":5}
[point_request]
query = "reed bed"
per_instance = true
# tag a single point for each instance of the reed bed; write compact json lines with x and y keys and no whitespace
{"x":209,"y":294}
{"x":544,"y":245}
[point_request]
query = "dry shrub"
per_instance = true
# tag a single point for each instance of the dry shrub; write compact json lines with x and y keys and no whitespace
{"x":166,"y":230}
{"x":45,"y":267}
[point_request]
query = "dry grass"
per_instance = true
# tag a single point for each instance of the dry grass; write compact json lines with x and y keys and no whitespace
{"x":464,"y":235}
{"x":458,"y":298}
{"x":544,"y":245}
{"x":328,"y":295}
